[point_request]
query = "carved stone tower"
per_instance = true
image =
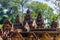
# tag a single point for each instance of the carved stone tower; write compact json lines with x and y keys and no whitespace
{"x":54,"y":24}
{"x":28,"y":19}
{"x":17,"y":23}
{"x":6,"y":27}
{"x":40,"y":21}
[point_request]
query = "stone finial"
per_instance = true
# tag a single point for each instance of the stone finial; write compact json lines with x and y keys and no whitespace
{"x":7,"y":25}
{"x":28,"y":11}
{"x":54,"y":24}
{"x":40,"y":21}
{"x":17,"y":19}
{"x":17,"y":24}
{"x":7,"y":22}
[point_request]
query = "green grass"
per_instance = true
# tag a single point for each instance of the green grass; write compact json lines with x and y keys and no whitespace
{"x":1,"y":26}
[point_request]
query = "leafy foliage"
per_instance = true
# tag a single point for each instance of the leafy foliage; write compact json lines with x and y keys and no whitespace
{"x":12,"y":7}
{"x":46,"y":11}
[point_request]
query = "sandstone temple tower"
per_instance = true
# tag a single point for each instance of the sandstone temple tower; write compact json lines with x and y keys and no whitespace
{"x":40,"y":21}
{"x":54,"y":24}
{"x":28,"y":19}
{"x":17,"y":24}
{"x":6,"y":29}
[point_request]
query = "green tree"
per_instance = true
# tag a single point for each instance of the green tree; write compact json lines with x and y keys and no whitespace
{"x":57,"y":3}
{"x":12,"y":7}
{"x":23,"y":4}
{"x":46,"y":11}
